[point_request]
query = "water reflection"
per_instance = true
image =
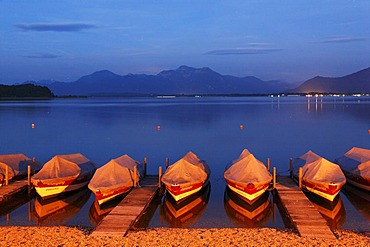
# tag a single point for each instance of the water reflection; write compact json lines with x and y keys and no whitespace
{"x":186,"y":212}
{"x":244,"y":214}
{"x":333,"y":212}
{"x":98,"y":212}
{"x":359,"y":198}
{"x":59,"y":210}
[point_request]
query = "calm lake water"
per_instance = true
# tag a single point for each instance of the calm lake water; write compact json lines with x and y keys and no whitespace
{"x":106,"y":128}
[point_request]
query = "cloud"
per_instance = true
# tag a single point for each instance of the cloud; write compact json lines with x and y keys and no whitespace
{"x":44,"y":56}
{"x":54,"y":27}
{"x":342,"y":39}
{"x":253,"y":48}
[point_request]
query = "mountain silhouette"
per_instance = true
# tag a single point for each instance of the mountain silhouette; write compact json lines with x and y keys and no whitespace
{"x":358,"y":82}
{"x":181,"y":81}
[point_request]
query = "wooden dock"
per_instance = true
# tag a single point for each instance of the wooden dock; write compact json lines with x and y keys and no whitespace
{"x":11,"y":189}
{"x":119,"y":221}
{"x":303,"y":215}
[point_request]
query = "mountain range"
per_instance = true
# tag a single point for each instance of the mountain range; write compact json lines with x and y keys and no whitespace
{"x":182,"y":81}
{"x":190,"y":81}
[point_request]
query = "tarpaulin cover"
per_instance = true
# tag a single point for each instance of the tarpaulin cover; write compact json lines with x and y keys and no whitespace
{"x":356,"y":161}
{"x":247,"y":169}
{"x":318,"y":170}
{"x":17,"y":164}
{"x":187,"y":171}
{"x":63,"y":167}
{"x":117,"y":173}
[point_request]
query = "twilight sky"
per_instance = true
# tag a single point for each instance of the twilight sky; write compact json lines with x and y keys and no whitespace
{"x":288,"y":40}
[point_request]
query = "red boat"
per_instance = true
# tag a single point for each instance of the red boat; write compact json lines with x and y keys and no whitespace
{"x":247,"y":177}
{"x":115,"y":178}
{"x":355,"y":165}
{"x":186,"y":177}
{"x":320,"y":176}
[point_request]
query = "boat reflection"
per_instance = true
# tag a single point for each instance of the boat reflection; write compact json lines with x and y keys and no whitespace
{"x":98,"y":212}
{"x":333,"y":212}
{"x":59,"y":210}
{"x":359,"y":198}
{"x":244,"y":214}
{"x":186,"y":212}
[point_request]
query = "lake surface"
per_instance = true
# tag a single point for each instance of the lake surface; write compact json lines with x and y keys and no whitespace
{"x":217,"y":129}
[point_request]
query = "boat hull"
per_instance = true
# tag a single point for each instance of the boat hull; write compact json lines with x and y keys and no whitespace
{"x":180,"y":193}
{"x":358,"y":181}
{"x":244,"y":191}
{"x":47,"y":191}
{"x":328,"y":194}
{"x":103,"y":198}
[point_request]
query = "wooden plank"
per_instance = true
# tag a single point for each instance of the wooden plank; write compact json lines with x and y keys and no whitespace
{"x":12,"y":189}
{"x":127,"y":212}
{"x":302,"y":213}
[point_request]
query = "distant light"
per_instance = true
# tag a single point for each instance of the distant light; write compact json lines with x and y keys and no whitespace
{"x":241,"y":127}
{"x":368,"y":131}
{"x":158,"y":127}
{"x":32,"y":126}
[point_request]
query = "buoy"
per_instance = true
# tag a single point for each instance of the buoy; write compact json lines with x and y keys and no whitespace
{"x":158,"y":127}
{"x":241,"y":127}
{"x":33,"y":126}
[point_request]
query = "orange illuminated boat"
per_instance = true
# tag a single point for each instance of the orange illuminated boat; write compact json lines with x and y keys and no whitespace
{"x":63,"y":173}
{"x":247,"y":177}
{"x":355,"y":165}
{"x":319,"y":175}
{"x":186,"y":176}
{"x":115,"y":178}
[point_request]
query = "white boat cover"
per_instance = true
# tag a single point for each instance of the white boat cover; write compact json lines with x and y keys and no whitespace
{"x":115,"y":174}
{"x":187,"y":171}
{"x":64,"y":167}
{"x":318,"y":170}
{"x":17,"y":164}
{"x":356,"y":161}
{"x":247,"y":169}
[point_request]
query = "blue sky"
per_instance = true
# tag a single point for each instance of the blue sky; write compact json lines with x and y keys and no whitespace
{"x":290,"y":40}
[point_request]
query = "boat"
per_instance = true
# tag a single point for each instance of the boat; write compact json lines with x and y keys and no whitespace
{"x":17,"y":166}
{"x":247,"y":177}
{"x":188,"y":211}
{"x":355,"y":165}
{"x":359,"y":198}
{"x":186,"y":176}
{"x":115,"y":178}
{"x":63,"y":173}
{"x":243,"y":214}
{"x":319,"y":175}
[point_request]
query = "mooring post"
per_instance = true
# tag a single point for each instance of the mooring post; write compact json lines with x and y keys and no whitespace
{"x":159,"y":176}
{"x":6,"y":175}
{"x":268,"y":162}
{"x":135,"y":176}
{"x":29,"y":175}
{"x":300,"y":174}
{"x":145,"y":164}
{"x":167,"y":162}
{"x":291,"y":167}
{"x":274,"y":177}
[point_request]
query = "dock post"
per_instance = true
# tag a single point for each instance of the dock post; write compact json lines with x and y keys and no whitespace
{"x":268,"y":162}
{"x":291,"y":167}
{"x":135,"y":176}
{"x":6,"y":175}
{"x":167,"y":162}
{"x":300,"y":174}
{"x":145,"y":164}
{"x":274,"y":177}
{"x":159,"y":176}
{"x":29,"y":175}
